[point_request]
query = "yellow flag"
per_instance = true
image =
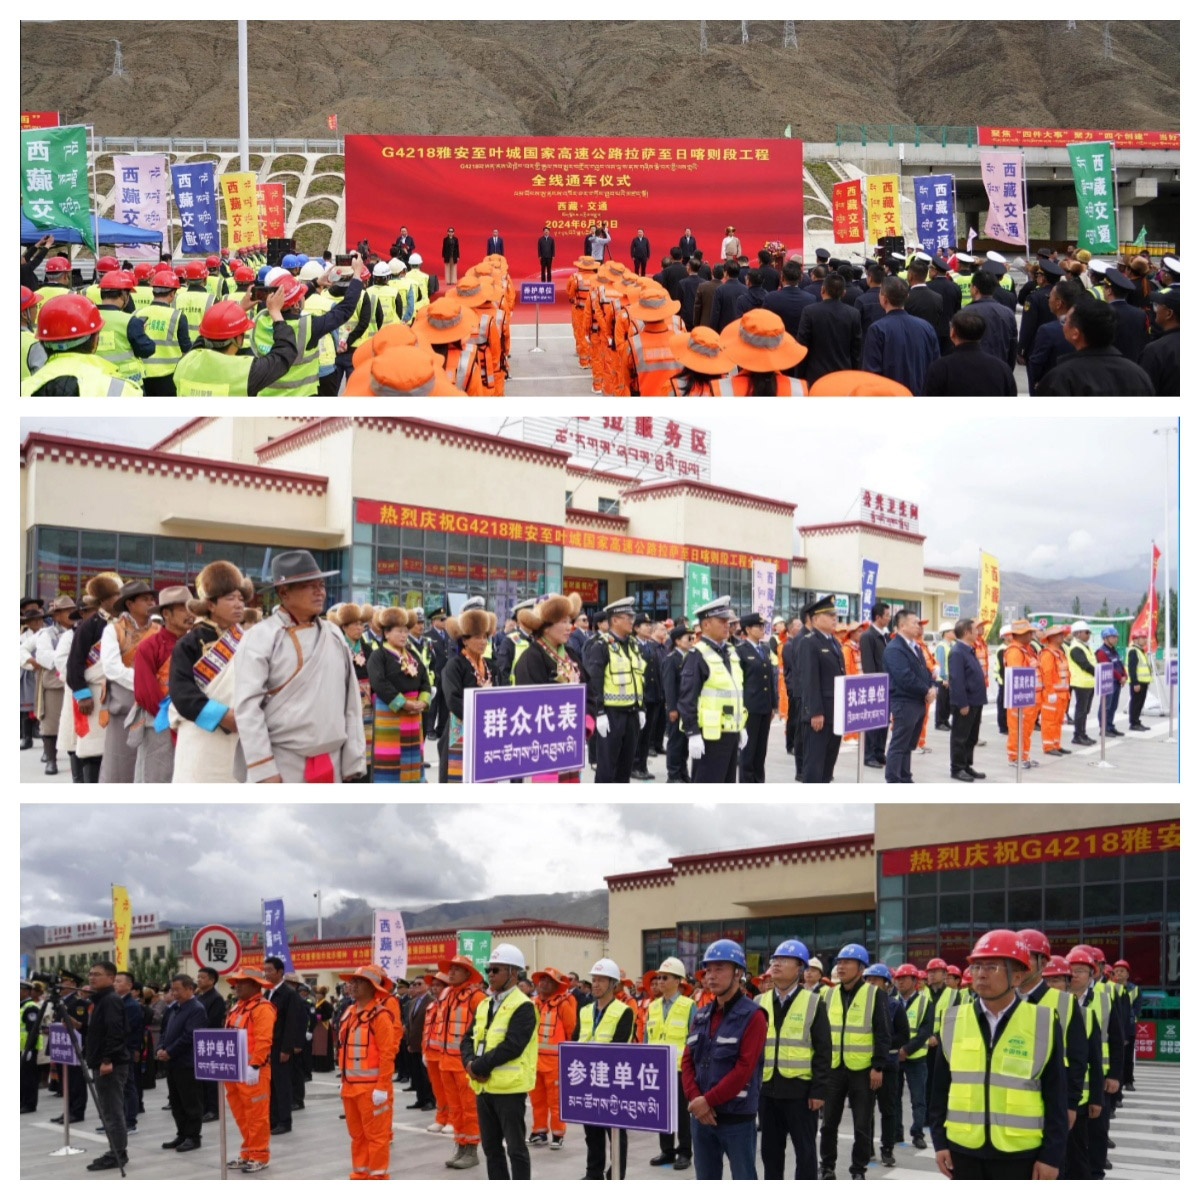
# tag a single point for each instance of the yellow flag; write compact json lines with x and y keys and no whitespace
{"x":122,"y":919}
{"x":883,"y":206}
{"x":240,"y":193}
{"x":989,"y":590}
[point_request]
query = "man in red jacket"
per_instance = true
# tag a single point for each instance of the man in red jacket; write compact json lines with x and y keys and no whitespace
{"x":151,"y":670}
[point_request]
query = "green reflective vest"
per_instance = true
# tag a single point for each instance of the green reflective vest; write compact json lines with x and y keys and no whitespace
{"x":853,"y":1038}
{"x":92,"y":292}
{"x":997,"y":1095}
{"x":945,"y":1000}
{"x":162,"y":328}
{"x":518,"y":1074}
{"x":321,"y":303}
{"x":113,"y":344}
{"x":1141,"y":669}
{"x":520,"y":645}
{"x":603,"y":1030}
{"x":301,"y":378}
{"x":204,"y":372}
{"x":1079,"y":677}
{"x":404,"y":289}
{"x":789,"y":1048}
{"x":622,"y":679}
{"x":420,"y":284}
{"x":963,"y":283}
{"x":92,"y":374}
{"x":917,"y":1006}
{"x":720,"y":708}
{"x":193,"y":305}
{"x":672,"y":1030}
{"x":1061,"y":1004}
{"x":385,"y":297}
{"x":214,"y":285}
{"x":143,"y":296}
{"x":1089,"y":1028}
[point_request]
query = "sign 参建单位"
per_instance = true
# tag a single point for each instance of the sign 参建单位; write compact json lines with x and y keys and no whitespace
{"x":860,"y":702}
{"x":658,"y":445}
{"x":216,"y":947}
{"x":514,"y":732}
{"x":1173,"y":673}
{"x":622,"y":1086}
{"x":1020,"y":687}
{"x":1104,"y":679}
{"x":875,"y":508}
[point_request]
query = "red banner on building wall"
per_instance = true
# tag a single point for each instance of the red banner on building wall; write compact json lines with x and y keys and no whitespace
{"x":39,"y":120}
{"x":340,"y":956}
{"x":520,"y":184}
{"x":436,"y":520}
{"x":588,"y":589}
{"x":848,"y":212}
{"x":1105,"y":842}
{"x":1122,"y":139}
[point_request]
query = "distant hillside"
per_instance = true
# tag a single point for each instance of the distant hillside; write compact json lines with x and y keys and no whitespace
{"x":1122,"y":589}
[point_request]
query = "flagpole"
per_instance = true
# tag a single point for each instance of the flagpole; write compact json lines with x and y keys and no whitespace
{"x":243,"y":98}
{"x":95,"y":195}
{"x":1112,"y":159}
{"x":1150,"y":629}
{"x":1025,"y":190}
{"x":1166,"y":432}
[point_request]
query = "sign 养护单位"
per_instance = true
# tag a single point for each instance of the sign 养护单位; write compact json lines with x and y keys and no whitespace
{"x":537,"y":293}
{"x":622,"y":1086}
{"x":218,"y":948}
{"x":514,"y":732}
{"x":877,"y":509}
{"x":860,"y":702}
{"x":1173,"y":673}
{"x":220,"y":1055}
{"x":666,"y":446}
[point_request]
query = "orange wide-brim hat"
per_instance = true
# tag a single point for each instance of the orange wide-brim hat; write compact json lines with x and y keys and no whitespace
{"x":856,"y":383}
{"x":653,"y":304}
{"x":248,"y":975}
{"x":476,"y":290}
{"x":561,"y":982}
{"x":701,"y":350}
{"x":390,"y":337}
{"x":373,"y":974}
{"x":587,"y":263}
{"x":647,"y":980}
{"x":402,"y":371}
{"x":460,"y":960}
{"x":439,"y":977}
{"x":757,"y":341}
{"x":445,"y":320}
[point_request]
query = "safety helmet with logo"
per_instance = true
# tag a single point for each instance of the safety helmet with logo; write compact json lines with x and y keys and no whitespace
{"x":290,"y":262}
{"x":1057,"y":966}
{"x":65,"y":318}
{"x":243,"y":275}
{"x":1036,"y":941}
{"x":381,"y":271}
{"x":725,"y":950}
{"x":311,"y":270}
{"x":854,"y":953}
{"x":607,"y":968}
{"x":507,"y":955}
{"x":58,"y":266}
{"x":878,"y":971}
{"x":212,"y":261}
{"x":672,"y":966}
{"x":936,"y":964}
{"x":1001,"y":943}
{"x":1080,"y":627}
{"x":165,"y":280}
{"x":180,"y":270}
{"x":144,"y":270}
{"x":294,"y":293}
{"x":792,"y":948}
{"x":196,"y":270}
{"x":224,"y":321}
{"x":107,"y":262}
{"x":375,"y":975}
{"x":117,"y":281}
{"x":1079,"y":956}
{"x":906,"y":971}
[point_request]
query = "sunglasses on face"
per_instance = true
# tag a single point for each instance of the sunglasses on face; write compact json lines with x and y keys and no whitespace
{"x":496,"y":970}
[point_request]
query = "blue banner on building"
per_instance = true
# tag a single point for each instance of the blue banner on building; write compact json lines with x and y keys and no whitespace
{"x":870,"y":576}
{"x":934,"y":195}
{"x":195,"y":186}
{"x":275,"y":939}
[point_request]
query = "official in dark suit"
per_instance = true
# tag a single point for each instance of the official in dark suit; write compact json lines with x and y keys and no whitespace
{"x":821,"y":662}
{"x":789,"y":665}
{"x":651,"y":695}
{"x":923,"y":301}
{"x":725,"y":301}
{"x":1097,"y":368}
{"x":639,"y":252}
{"x":790,"y":301}
{"x":419,"y":1002}
{"x":1050,"y":345}
{"x":677,"y":747}
{"x":450,"y":255}
{"x":832,"y":331}
{"x":872,"y":645}
{"x":1037,"y":304}
{"x":1133,"y":333}
{"x":945,"y":287}
{"x":1160,"y":359}
{"x":546,"y":254}
{"x":1000,"y":335}
{"x":967,"y":370}
{"x":968,"y":695}
{"x":687,"y":244}
{"x":897,"y":346}
{"x":215,"y":1013}
{"x":688,"y":286}
{"x":815,"y":282}
{"x":760,"y":696}
{"x":290,"y":1022}
{"x":755,"y":295}
{"x":495,"y":243}
{"x":869,"y":308}
{"x":911,"y":689}
{"x":770,"y":276}
{"x":673,"y":273}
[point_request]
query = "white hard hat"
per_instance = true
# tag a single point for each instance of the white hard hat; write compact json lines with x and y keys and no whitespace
{"x":672,"y":966}
{"x":507,"y":955}
{"x":946,"y":627}
{"x":1005,"y":629}
{"x":1080,"y":627}
{"x":395,"y":263}
{"x":816,"y":962}
{"x":415,"y":260}
{"x":381,"y":270}
{"x":606,"y":966}
{"x":311,"y":270}
{"x":276,"y":276}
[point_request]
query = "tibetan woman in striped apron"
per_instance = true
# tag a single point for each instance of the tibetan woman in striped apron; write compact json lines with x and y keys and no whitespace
{"x":464,"y":670}
{"x":402,"y":694}
{"x":549,"y":659}
{"x":349,"y":619}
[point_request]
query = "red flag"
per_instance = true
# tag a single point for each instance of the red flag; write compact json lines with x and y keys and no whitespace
{"x":1147,"y":618}
{"x":331,"y":121}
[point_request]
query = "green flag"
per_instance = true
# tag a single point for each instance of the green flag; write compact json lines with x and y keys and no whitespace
{"x":1140,"y":240}
{"x":699,"y":588}
{"x":1091,"y":165}
{"x":476,"y":944}
{"x":54,"y":180}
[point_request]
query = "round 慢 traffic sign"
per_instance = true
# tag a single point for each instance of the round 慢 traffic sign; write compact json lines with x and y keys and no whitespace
{"x":216,"y":947}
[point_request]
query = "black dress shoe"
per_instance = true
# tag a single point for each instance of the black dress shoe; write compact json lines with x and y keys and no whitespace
{"x":641,"y":775}
{"x":186,"y":1145}
{"x":1114,"y":733}
{"x":919,"y":1143}
{"x":828,"y":1173}
{"x":27,"y":1110}
{"x":175,"y":1141}
{"x":208,"y":1117}
{"x":428,"y":1107}
{"x":682,"y":1162}
{"x":887,"y":1158}
{"x":27,"y":744}
{"x":1111,"y":1144}
{"x":661,"y":1160}
{"x":56,"y":1120}
{"x":280,"y":1130}
{"x":417,"y":1104}
{"x":963,"y":776}
{"x":297,"y":1107}
{"x":878,"y":766}
{"x":1063,"y":750}
{"x":943,"y":728}
{"x":976,"y":774}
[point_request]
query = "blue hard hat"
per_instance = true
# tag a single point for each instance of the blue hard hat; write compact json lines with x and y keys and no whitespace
{"x":856,"y":952}
{"x":792,"y":949}
{"x":879,"y":971}
{"x":290,"y":262}
{"x":301,"y":259}
{"x":724,"y":950}
{"x":1108,"y":631}
{"x":261,"y":277}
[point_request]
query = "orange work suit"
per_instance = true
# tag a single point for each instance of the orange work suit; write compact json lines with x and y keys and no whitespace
{"x":391,"y":1005}
{"x":461,"y":1004}
{"x":653,"y":361}
{"x":1017,"y":655}
{"x":853,"y":656}
{"x":367,"y":1041}
{"x":556,"y":1022}
{"x":597,"y":342}
{"x":432,"y":1053}
{"x":488,"y":349}
{"x":578,"y":288}
{"x":931,"y":663}
{"x":981,"y":653}
{"x":785,"y":385}
{"x":1056,"y":694}
{"x":462,"y":369}
{"x":250,"y":1103}
{"x":782,"y":689}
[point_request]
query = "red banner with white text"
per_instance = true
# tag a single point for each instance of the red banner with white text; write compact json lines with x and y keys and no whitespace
{"x":517,"y":185}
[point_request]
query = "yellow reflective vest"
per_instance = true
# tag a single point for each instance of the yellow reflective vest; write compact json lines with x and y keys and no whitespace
{"x":93,"y":376}
{"x":789,"y":1048}
{"x":851,"y":1028}
{"x":916,"y":1007}
{"x":672,"y":1030}
{"x":1101,"y":1004}
{"x":720,"y":707}
{"x":1079,"y":677}
{"x":518,"y":1074}
{"x":162,"y":328}
{"x":622,"y":678}
{"x":322,"y":303}
{"x":591,"y":1030}
{"x":944,"y":1001}
{"x":1141,"y":672}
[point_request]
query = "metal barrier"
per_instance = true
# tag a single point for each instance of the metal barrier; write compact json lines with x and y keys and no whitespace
{"x":915,"y":135}
{"x":180,"y":145}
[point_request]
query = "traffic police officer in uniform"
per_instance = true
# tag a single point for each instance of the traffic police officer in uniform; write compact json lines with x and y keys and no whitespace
{"x":712,"y":710}
{"x":614,"y":670}
{"x":672,"y":674}
{"x":511,"y":646}
{"x":821,"y":661}
{"x":760,"y":697}
{"x":31,"y":1042}
{"x":1037,"y":307}
{"x":76,"y":1006}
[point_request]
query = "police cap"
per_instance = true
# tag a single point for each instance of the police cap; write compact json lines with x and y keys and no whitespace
{"x":749,"y":619}
{"x":1167,"y":298}
{"x":1119,"y":282}
{"x":823,"y":605}
{"x":1048,"y":266}
{"x":719,"y":608}
{"x":620,"y":607}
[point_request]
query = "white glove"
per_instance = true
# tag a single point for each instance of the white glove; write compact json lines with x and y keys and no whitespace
{"x":696,"y":746}
{"x":743,"y":738}
{"x":641,"y":720}
{"x":251,"y":1074}
{"x":602,"y":725}
{"x":378,"y":1098}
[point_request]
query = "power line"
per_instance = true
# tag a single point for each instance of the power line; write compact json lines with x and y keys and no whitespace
{"x":118,"y":68}
{"x":703,"y":37}
{"x":1107,"y":41}
{"x":789,"y":35}
{"x":745,"y":33}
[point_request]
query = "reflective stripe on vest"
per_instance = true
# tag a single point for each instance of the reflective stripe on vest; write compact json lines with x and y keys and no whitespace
{"x":33,"y":357}
{"x":1101,"y":1005}
{"x":113,"y":343}
{"x":1079,"y":677}
{"x":1142,"y":672}
{"x":997,"y":1095}
{"x":672,"y":1030}
{"x":358,"y":1054}
{"x":93,"y":376}
{"x":520,"y":645}
{"x":854,"y":1039}
{"x":622,"y":680}
{"x":435,"y":1027}
{"x":458,"y":1015}
{"x":921,"y":1002}
{"x":321,"y":303}
{"x":790,"y":1047}
{"x":518,"y":1074}
{"x":719,"y":708}
{"x":301,"y":377}
{"x":48,"y":293}
{"x":551,"y":1030}
{"x":204,"y":372}
{"x":385,"y":297}
{"x":193,"y":305}
{"x":1061,"y":1004}
{"x":664,"y":357}
{"x":592,"y":1031}
{"x":239,"y":1018}
{"x":945,"y":1000}
{"x":162,"y":328}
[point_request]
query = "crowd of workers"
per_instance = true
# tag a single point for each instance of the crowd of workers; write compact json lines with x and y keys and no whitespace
{"x":1016,"y":1065}
{"x":915,"y":324}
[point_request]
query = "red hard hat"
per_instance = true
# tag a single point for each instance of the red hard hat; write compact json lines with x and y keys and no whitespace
{"x":213,"y":260}
{"x":196,"y":270}
{"x":180,"y":271}
{"x":1056,"y":966}
{"x":1122,"y":963}
{"x":953,"y":970}
{"x":936,"y":964}
{"x":65,"y":318}
{"x":225,"y":320}
{"x":165,"y":279}
{"x":108,"y":262}
{"x":967,"y":977}
{"x":295,"y":294}
{"x":244,"y":275}
{"x":235,"y":262}
{"x":1037,"y":941}
{"x":115,"y":281}
{"x":28,"y":299}
{"x":1079,"y":956}
{"x":224,"y":251}
{"x":57,"y":265}
{"x":143,"y":271}
{"x":922,"y":974}
{"x":1001,"y":943}
{"x":1096,"y":953}
{"x":905,"y":971}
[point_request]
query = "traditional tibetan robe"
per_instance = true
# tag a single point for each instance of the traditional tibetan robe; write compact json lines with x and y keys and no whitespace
{"x":203,"y":671}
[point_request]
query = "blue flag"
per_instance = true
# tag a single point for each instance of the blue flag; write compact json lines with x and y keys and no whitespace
{"x":934,"y":195}
{"x":195,"y":186}
{"x":870,"y":577}
{"x":275,"y":939}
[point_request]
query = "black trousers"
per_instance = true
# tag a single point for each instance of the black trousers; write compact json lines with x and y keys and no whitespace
{"x":1083,"y":706}
{"x":501,"y":1126}
{"x":110,"y":1099}
{"x":186,"y":1096}
{"x":907,"y":718}
{"x":793,"y":721}
{"x":596,"y":1139}
{"x":964,"y":733}
{"x":639,"y":266}
{"x":281,"y":1091}
{"x":1126,"y":1074}
{"x":967,"y":1166}
{"x":1098,"y":1138}
{"x":677,"y":755}
{"x":1137,"y":701}
{"x":29,"y":1082}
{"x":941,"y":709}
{"x":887,"y":1100}
{"x":641,"y":754}
{"x":779,"y":1121}
{"x":327,"y":385}
{"x":821,"y":750}
{"x":1001,"y":712}
{"x":656,"y":722}
{"x":678,"y":1144}
{"x":875,"y":745}
{"x":754,"y":756}
{"x":614,"y":754}
{"x":158,"y":385}
{"x":1078,"y":1165}
{"x":420,"y":1077}
{"x":719,"y":764}
{"x":79,"y":1093}
{"x":547,"y":277}
{"x":210,"y":1097}
{"x":296,"y":1062}
{"x":854,"y":1086}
